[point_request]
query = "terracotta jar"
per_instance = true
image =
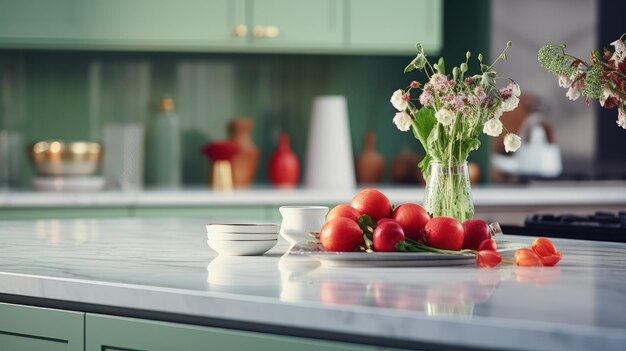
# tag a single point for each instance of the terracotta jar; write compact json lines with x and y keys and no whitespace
{"x":284,"y":167}
{"x":369,"y":163}
{"x":246,"y":160}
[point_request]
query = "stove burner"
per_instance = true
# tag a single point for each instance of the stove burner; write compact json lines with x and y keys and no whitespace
{"x":601,"y":226}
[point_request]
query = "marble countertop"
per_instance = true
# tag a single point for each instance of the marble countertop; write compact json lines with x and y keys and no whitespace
{"x":581,"y":193}
{"x":164,"y":266}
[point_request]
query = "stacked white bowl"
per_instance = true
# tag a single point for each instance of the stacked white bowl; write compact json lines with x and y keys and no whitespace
{"x":245,"y":239}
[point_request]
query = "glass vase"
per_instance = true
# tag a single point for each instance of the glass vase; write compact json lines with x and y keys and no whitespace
{"x":448,"y":191}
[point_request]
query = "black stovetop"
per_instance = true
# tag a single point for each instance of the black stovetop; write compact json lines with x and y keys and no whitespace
{"x":600,"y":226}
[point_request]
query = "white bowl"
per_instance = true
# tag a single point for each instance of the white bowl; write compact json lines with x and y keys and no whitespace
{"x":241,"y":248}
{"x":242,"y":228}
{"x":240,"y":236}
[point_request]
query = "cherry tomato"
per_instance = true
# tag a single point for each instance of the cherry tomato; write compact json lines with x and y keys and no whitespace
{"x":372,"y":203}
{"x":343,"y":211}
{"x":341,"y":234}
{"x":444,"y":233}
{"x":412,"y":218}
{"x":547,"y":252}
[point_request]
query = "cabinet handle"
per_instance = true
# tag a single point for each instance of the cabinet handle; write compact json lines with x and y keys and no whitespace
{"x":240,"y":30}
{"x":268,"y":32}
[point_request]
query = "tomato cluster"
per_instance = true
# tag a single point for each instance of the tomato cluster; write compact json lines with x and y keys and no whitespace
{"x":371,"y":222}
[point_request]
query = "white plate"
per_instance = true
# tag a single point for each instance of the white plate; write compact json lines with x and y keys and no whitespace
{"x":241,"y":248}
{"x":241,"y":236}
{"x":388,"y":259}
{"x":242,"y":228}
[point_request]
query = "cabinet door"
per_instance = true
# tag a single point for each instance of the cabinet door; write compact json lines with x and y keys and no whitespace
{"x":25,"y":328}
{"x":395,"y":26}
{"x":121,"y":24}
{"x":117,"y":333}
{"x":306,"y":24}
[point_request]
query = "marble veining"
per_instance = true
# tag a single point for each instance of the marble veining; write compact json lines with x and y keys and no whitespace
{"x":164,"y":265}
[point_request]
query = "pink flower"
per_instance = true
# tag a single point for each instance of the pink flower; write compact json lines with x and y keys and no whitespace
{"x":426,"y":98}
{"x":415,"y":84}
{"x":458,"y":102}
{"x":439,"y":82}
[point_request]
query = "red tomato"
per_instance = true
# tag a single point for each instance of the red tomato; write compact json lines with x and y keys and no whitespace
{"x":412,"y":218}
{"x":488,"y":244}
{"x":343,"y":211}
{"x":487,"y":259}
{"x":547,"y":252}
{"x":341,"y":234}
{"x":527,"y":258}
{"x":372,"y":203}
{"x":387,"y":235}
{"x":476,"y":231}
{"x":444,"y":233}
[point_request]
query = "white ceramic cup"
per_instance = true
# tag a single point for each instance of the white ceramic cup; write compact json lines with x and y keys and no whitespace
{"x":299,"y":221}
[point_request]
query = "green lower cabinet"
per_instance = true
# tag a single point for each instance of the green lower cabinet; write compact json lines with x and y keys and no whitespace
{"x":25,"y":328}
{"x":118,"y":333}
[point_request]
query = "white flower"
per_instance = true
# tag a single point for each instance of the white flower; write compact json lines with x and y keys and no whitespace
{"x":515,"y":89}
{"x":400,"y":100}
{"x":512,"y":142}
{"x":493,"y":127}
{"x":445,"y":116}
{"x":510,"y":103}
{"x":621,"y":118}
{"x":402,"y":120}
{"x":620,"y":51}
{"x":564,"y":82}
{"x":426,"y":98}
{"x":573,"y":93}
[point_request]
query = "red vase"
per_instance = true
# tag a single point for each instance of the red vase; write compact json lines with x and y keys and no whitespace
{"x":284,"y":168}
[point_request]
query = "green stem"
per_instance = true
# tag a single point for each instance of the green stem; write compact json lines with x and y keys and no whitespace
{"x":409,"y":245}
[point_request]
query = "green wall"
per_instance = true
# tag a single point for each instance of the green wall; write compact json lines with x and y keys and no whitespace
{"x":72,"y":95}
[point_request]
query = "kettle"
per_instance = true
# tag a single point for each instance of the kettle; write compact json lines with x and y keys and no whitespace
{"x":536,"y":157}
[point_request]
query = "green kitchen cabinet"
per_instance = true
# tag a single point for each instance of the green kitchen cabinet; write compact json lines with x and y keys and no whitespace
{"x":395,"y":26}
{"x":121,"y":24}
{"x":300,"y":24}
{"x":25,"y":328}
{"x":119,"y":333}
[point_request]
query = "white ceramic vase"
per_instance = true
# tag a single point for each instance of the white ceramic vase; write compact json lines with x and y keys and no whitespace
{"x":329,"y":157}
{"x":299,"y":221}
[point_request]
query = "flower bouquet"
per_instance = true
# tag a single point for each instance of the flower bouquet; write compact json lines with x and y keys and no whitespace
{"x":452,"y":112}
{"x":603,"y":78}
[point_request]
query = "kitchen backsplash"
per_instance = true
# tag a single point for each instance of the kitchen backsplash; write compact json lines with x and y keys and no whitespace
{"x":72,"y":95}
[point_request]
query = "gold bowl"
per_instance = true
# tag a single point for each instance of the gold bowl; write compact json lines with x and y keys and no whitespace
{"x":65,"y":158}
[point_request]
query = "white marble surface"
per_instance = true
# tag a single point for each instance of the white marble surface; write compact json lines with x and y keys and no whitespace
{"x":164,"y":265}
{"x":599,"y":193}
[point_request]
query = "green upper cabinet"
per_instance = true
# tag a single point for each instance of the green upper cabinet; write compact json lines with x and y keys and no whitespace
{"x":293,"y":26}
{"x":121,"y":24}
{"x":395,"y":26}
{"x":25,"y":328}
{"x":300,"y":24}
